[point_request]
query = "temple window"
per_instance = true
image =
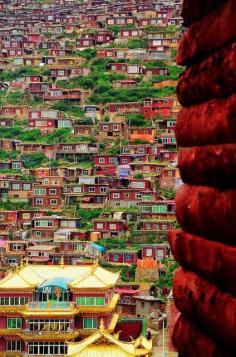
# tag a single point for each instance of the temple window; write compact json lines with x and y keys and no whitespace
{"x":90,"y":301}
{"x":14,"y":345}
{"x":49,"y":325}
{"x":46,"y":348}
{"x":90,"y":323}
{"x":14,"y":322}
{"x":14,"y":300}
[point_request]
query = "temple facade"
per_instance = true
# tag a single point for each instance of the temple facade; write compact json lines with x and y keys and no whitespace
{"x":42,"y":307}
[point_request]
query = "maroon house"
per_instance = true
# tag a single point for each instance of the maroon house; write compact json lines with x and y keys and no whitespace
{"x":121,"y":256}
{"x":109,"y":227}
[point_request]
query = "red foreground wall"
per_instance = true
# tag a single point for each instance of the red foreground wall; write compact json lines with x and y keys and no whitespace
{"x":205,"y":286}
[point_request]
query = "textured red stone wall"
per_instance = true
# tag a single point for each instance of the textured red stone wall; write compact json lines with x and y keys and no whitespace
{"x":205,"y":286}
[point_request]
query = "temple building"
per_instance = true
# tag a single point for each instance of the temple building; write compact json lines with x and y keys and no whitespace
{"x":45,"y":308}
{"x":42,"y":307}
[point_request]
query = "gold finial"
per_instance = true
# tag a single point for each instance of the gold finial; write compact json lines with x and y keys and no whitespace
{"x":95,"y":264}
{"x":21,"y":263}
{"x":26,"y":261}
{"x":62,"y":264}
{"x":101,"y":326}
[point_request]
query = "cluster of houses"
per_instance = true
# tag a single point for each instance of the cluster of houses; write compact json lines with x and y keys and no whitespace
{"x":117,"y":165}
{"x":85,"y":181}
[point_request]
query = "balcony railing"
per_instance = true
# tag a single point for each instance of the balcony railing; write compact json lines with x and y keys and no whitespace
{"x":49,"y":335}
{"x":52,"y":305}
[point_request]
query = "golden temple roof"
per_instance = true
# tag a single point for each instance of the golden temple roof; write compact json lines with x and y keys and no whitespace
{"x":103,"y":344}
{"x":86,"y":276}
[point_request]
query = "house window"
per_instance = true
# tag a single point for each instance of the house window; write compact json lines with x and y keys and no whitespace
{"x":115,"y":257}
{"x":164,"y":226}
{"x":26,"y":187}
{"x":115,"y":127}
{"x":169,"y":173}
{"x":39,"y":201}
{"x":128,"y":257}
{"x":127,"y":195}
{"x":148,"y":226}
{"x":14,"y":322}
{"x":38,"y":233}
{"x":146,"y":209}
{"x":124,"y":161}
{"x":89,"y":323}
{"x":91,"y":189}
{"x":116,"y":195}
{"x":40,"y":191}
{"x":111,"y":159}
{"x":101,"y":160}
{"x":103,"y":189}
{"x":53,"y":191}
{"x":16,"y":165}
{"x":149,"y":252}
{"x":14,"y":345}
{"x":127,"y":298}
{"x":112,"y":226}
{"x":53,"y":202}
{"x":15,"y":186}
{"x":16,"y":247}
{"x":138,"y":196}
{"x":99,"y":225}
{"x":26,"y":216}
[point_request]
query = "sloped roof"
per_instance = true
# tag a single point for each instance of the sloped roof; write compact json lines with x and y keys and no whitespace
{"x":32,"y":276}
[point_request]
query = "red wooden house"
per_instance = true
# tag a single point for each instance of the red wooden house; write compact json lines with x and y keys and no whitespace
{"x":157,"y":209}
{"x":124,"y":83}
{"x":120,"y":21}
{"x":155,"y":251}
{"x":143,"y":133}
{"x":128,"y":107}
{"x":170,"y":178}
{"x":109,"y":227}
{"x":106,"y":164}
{"x":153,"y":107}
{"x":38,"y":88}
{"x":124,"y":197}
{"x":126,"y":68}
{"x":25,"y":217}
{"x":158,"y":226}
{"x":127,"y":302}
{"x":43,"y":228}
{"x":47,"y":196}
{"x":111,"y":130}
{"x":54,"y":94}
{"x":119,"y":53}
{"x":130,"y":33}
{"x":170,"y":156}
{"x":122,"y":256}
{"x":17,"y":111}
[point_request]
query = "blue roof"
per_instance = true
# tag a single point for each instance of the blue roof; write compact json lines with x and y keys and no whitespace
{"x":98,"y":247}
{"x":60,"y":282}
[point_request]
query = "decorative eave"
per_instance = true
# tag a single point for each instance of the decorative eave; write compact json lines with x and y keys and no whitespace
{"x":40,"y":336}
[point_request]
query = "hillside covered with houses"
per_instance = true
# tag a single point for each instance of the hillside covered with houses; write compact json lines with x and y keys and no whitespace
{"x":88,"y":157}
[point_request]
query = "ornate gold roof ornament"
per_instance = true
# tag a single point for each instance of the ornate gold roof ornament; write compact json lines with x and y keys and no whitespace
{"x":95,"y":265}
{"x":101,"y":326}
{"x":22,"y":263}
{"x":62,"y":263}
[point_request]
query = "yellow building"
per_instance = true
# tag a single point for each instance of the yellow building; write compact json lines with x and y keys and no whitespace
{"x":103,"y":344}
{"x":42,"y":307}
